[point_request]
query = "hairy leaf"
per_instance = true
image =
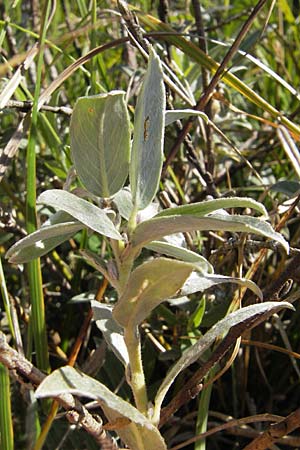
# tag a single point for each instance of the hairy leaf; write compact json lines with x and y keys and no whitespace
{"x":139,"y":430}
{"x":202,"y":208}
{"x":147,"y":149}
{"x":177,"y":114}
{"x":85,"y":212}
{"x":245,"y":318}
{"x":112,"y":332}
{"x":123,"y":201}
{"x":158,"y":227}
{"x":59,"y":228}
{"x":200,"y":282}
{"x":181,"y":253}
{"x":100,"y":142}
{"x":150,"y":284}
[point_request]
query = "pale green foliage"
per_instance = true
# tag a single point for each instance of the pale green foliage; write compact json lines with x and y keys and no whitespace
{"x":148,"y":285}
{"x":147,"y":148}
{"x":100,"y":142}
{"x":139,"y":431}
{"x":112,"y":331}
{"x":82,"y":210}
{"x":209,"y":206}
{"x":42,"y":241}
{"x":253,"y":314}
{"x":172,"y":116}
{"x":162,"y":226}
{"x":100,"y":145}
{"x":181,"y":253}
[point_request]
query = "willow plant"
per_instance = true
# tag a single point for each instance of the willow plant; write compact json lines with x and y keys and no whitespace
{"x":129,"y":219}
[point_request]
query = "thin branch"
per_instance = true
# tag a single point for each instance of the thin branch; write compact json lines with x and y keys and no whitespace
{"x":26,"y":106}
{"x":235,"y":424}
{"x":275,"y":432}
{"x":76,"y":412}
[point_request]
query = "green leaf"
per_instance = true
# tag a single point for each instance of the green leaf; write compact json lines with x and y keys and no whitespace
{"x":245,"y":318}
{"x":202,"y":208}
{"x":86,"y":213}
{"x":6,"y":416}
{"x":139,"y":434}
{"x":69,"y":380}
{"x":100,"y":142}
{"x":198,"y":282}
{"x":287,"y":187}
{"x":177,"y":114}
{"x":158,"y":227}
{"x":147,"y":149}
{"x":56,"y":169}
{"x":181,"y":253}
{"x":196,"y":317}
{"x":112,"y":332}
{"x":150,"y":284}
{"x":123,"y":201}
{"x":98,"y":263}
{"x":42,"y":241}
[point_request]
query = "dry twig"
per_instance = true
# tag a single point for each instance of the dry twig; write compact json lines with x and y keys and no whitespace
{"x":76,"y":412}
{"x":275,"y":432}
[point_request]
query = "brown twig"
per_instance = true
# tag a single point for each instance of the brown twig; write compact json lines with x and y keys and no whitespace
{"x":236,"y":426}
{"x":271,"y":347}
{"x":133,"y":25}
{"x":275,"y":432}
{"x":76,"y":412}
{"x":25,"y":106}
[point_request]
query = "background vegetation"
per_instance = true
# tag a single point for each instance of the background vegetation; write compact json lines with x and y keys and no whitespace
{"x":251,"y":151}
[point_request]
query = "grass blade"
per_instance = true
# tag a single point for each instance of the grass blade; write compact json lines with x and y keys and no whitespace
{"x":6,"y":427}
{"x":34,"y":268}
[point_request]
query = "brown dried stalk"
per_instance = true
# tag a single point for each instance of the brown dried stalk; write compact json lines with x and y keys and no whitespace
{"x":275,"y":432}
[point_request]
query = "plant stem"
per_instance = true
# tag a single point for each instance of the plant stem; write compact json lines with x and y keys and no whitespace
{"x":34,"y":268}
{"x":136,"y":375}
{"x":93,"y":45}
{"x":47,"y":425}
{"x":132,"y":220}
{"x":125,"y":266}
{"x":6,"y":302}
{"x":6,"y":427}
{"x":203,"y":408}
